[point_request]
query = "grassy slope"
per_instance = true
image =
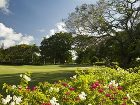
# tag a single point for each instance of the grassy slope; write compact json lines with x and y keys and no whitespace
{"x":50,"y":73}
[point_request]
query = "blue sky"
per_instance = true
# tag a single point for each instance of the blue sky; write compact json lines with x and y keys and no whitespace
{"x":31,"y":20}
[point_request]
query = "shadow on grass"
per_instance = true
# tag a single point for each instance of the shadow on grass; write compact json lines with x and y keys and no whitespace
{"x":14,"y":79}
{"x":51,"y":76}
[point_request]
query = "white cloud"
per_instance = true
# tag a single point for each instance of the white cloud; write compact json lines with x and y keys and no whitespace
{"x":10,"y":38}
{"x":52,"y":31}
{"x":59,"y":27}
{"x":87,"y":1}
{"x":26,"y":40}
{"x":4,"y":4}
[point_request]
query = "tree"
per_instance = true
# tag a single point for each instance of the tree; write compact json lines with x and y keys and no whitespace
{"x":104,"y":17}
{"x":84,"y":46}
{"x":56,"y":49}
{"x":20,"y":54}
{"x":119,"y":48}
{"x":107,"y":19}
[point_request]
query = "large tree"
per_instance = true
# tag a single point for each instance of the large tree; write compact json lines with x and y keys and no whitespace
{"x":85,"y":46}
{"x":120,"y":48}
{"x":56,"y":49}
{"x":110,"y":18}
{"x":105,"y":17}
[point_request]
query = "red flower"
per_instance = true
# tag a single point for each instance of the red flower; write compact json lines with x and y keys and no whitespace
{"x":120,"y":88}
{"x":93,"y":86}
{"x":101,"y":90}
{"x":107,"y":95}
{"x":33,"y":88}
{"x":97,"y":83}
{"x":72,"y":89}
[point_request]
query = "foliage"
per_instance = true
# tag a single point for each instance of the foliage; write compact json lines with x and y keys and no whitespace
{"x":105,"y":17}
{"x":56,"y":49}
{"x":119,"y":48}
{"x":20,"y":54}
{"x":115,"y":24}
{"x":90,"y":86}
{"x":85,"y":47}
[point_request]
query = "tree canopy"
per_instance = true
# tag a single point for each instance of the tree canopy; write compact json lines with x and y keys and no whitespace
{"x":56,"y":48}
{"x":19,"y":54}
{"x":115,"y":25}
{"x":106,"y":17}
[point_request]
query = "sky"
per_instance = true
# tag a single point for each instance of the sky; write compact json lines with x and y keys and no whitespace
{"x":28,"y":21}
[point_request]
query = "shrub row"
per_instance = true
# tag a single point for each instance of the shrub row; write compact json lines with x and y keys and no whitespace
{"x":90,"y":86}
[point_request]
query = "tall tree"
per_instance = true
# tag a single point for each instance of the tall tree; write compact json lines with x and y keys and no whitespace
{"x":105,"y":17}
{"x":56,"y":49}
{"x":85,"y":46}
{"x":110,"y":18}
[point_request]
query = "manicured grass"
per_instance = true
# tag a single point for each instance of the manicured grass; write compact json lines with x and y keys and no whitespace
{"x":50,"y":73}
{"x":34,"y":69}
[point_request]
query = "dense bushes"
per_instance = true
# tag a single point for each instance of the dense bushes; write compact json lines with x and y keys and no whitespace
{"x":90,"y":86}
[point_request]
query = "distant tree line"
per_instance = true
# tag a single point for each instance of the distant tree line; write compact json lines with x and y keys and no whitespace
{"x":56,"y":49}
{"x":19,"y":54}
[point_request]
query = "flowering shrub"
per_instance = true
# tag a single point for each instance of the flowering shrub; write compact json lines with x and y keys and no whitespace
{"x":94,"y":86}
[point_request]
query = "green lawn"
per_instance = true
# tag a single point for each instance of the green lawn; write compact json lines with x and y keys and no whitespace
{"x":50,"y":73}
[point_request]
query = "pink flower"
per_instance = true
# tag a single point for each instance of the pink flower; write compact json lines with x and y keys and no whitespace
{"x":120,"y":88}
{"x":33,"y":88}
{"x":72,"y":89}
{"x":95,"y":85}
{"x":101,"y":90}
{"x":107,"y":95}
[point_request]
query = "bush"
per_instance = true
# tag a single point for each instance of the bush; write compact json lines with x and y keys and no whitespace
{"x":93,"y":86}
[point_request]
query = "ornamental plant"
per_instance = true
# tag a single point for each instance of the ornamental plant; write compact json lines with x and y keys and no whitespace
{"x":90,"y":86}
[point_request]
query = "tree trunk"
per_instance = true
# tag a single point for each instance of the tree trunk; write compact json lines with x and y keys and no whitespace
{"x":54,"y":61}
{"x":126,"y":61}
